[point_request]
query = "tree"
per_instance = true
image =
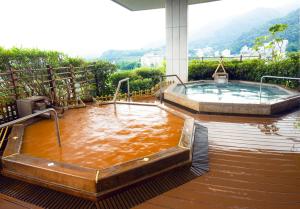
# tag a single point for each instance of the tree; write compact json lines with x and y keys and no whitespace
{"x":276,"y":40}
{"x":271,"y":41}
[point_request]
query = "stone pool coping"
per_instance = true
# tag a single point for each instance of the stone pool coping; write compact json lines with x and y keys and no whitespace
{"x":92,"y":183}
{"x":233,"y":108}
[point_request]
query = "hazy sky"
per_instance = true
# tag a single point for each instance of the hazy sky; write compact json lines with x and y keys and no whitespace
{"x":89,"y":27}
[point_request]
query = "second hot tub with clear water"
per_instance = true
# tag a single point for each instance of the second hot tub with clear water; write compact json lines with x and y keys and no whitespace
{"x":236,"y":97}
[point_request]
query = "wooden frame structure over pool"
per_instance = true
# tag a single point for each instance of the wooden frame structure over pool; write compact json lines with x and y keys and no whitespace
{"x":91,"y":183}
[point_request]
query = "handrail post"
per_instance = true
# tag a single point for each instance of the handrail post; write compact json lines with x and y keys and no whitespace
{"x":174,"y":75}
{"x":57,"y":128}
{"x":118,"y":89}
{"x":160,"y":89}
{"x":260,"y":86}
{"x":37,"y":114}
{"x":128,"y":90}
{"x":271,"y":76}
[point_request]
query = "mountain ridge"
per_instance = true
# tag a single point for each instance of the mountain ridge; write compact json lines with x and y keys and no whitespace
{"x":252,"y":25}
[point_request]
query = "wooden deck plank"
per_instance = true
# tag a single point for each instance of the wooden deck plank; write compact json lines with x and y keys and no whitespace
{"x":7,"y":202}
{"x":249,"y":167}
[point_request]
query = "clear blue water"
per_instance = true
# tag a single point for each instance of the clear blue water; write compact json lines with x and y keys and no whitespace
{"x":232,"y":93}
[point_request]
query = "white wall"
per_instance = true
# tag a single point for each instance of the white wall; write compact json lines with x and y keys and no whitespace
{"x":176,"y":38}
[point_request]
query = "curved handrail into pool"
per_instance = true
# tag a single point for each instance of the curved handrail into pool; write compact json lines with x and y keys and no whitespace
{"x":34,"y":115}
{"x":165,"y":76}
{"x":118,"y":89}
{"x":271,"y":76}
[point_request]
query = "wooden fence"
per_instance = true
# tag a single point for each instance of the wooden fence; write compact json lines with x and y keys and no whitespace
{"x":58,"y":84}
{"x":216,"y":58}
{"x":8,"y":112}
{"x":62,"y":85}
{"x":134,"y":94}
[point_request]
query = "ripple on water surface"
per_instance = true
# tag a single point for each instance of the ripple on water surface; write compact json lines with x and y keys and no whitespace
{"x":96,"y":137}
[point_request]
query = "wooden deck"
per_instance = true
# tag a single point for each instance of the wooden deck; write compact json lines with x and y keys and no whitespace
{"x":12,"y":203}
{"x":254,"y":163}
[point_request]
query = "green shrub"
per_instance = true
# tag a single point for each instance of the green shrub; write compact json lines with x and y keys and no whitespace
{"x":250,"y":70}
{"x":102,"y":72}
{"x":140,"y":78}
{"x":151,"y":73}
{"x":35,"y":58}
{"x":141,"y":84}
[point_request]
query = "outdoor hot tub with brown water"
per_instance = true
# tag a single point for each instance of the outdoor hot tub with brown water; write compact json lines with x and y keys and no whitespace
{"x":102,"y":150}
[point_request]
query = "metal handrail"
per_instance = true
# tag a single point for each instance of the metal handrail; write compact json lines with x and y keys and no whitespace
{"x":3,"y":136}
{"x":271,"y":76}
{"x":34,"y":115}
{"x":165,"y":76}
{"x":118,"y":89}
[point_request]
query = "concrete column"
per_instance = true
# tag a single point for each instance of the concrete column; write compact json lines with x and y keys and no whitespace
{"x":176,"y":38}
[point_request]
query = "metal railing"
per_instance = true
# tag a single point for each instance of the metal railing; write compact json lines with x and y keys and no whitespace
{"x":165,"y":76}
{"x":118,"y":89}
{"x":34,"y":115}
{"x":4,"y":131}
{"x":271,"y":76}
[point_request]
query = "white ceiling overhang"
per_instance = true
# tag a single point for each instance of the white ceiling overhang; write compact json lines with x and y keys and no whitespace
{"x":137,"y":5}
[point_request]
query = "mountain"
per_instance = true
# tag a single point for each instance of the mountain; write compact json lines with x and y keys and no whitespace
{"x":291,"y":34}
{"x":230,"y":34}
{"x":223,"y":34}
{"x":126,"y":55}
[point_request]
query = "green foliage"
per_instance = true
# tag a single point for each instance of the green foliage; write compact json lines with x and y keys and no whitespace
{"x":128,"y":65}
{"x":277,"y":28}
{"x":271,"y":41}
{"x":149,"y":73}
{"x":34,"y":58}
{"x":103,"y":71}
{"x":141,"y":84}
{"x":291,"y":33}
{"x":74,"y":61}
{"x":250,"y":70}
{"x":140,"y":78}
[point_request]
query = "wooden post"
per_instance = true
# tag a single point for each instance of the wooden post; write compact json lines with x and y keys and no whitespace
{"x":14,"y":79}
{"x":52,"y":84}
{"x":73,"y":88}
{"x":86,"y":74}
{"x":241,"y":58}
{"x":96,"y":82}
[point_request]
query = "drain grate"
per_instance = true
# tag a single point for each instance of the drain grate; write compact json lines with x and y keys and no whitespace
{"x":127,"y":198}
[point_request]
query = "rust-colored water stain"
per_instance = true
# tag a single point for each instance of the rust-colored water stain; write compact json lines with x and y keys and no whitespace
{"x":96,"y":137}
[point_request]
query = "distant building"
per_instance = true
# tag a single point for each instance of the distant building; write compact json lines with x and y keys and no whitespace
{"x":264,"y":52}
{"x":226,"y":53}
{"x":152,"y":60}
{"x":279,"y":50}
{"x":205,"y":52}
{"x":247,"y":51}
{"x":217,"y":54}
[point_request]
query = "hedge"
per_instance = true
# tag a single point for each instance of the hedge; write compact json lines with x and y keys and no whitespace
{"x":140,"y":78}
{"x":36,"y":58}
{"x":250,"y":70}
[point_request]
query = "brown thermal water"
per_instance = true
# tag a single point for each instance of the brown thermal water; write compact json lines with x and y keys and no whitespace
{"x":96,"y":137}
